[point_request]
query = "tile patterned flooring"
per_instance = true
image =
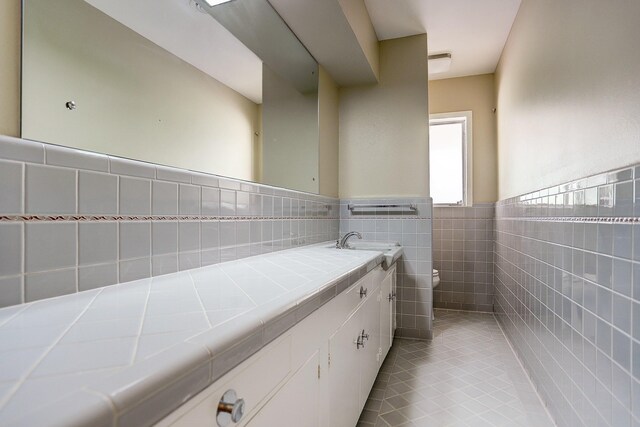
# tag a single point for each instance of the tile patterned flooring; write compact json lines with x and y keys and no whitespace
{"x":466,"y":376}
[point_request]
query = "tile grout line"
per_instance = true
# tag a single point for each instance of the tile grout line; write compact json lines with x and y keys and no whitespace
{"x":134,"y":353}
{"x":491,"y":329}
{"x":35,"y":364}
{"x":193,"y":284}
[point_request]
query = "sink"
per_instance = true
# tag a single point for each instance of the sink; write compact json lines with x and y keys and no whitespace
{"x":391,"y":250}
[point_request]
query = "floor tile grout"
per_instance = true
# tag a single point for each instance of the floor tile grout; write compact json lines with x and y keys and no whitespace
{"x":467,"y":375}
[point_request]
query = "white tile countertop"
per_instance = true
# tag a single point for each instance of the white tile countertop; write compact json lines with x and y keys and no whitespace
{"x":129,"y":354}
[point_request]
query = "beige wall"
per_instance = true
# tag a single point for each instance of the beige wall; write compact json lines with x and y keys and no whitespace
{"x":328,"y":134}
{"x":289,"y":134}
{"x":10,"y":68}
{"x":568,"y":91}
{"x":134,"y":99}
{"x":384,"y":134}
{"x":358,"y":17}
{"x":476,"y":94}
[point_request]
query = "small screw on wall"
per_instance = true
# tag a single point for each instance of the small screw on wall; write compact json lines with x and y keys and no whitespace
{"x":71,"y":105}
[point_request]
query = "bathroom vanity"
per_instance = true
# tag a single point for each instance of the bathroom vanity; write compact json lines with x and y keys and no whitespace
{"x":294,"y":337}
{"x":319,"y":373}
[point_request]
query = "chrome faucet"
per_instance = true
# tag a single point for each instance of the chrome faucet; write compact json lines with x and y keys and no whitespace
{"x":342,"y":243}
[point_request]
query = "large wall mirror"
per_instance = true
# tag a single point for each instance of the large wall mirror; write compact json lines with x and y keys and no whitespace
{"x":225,"y":89}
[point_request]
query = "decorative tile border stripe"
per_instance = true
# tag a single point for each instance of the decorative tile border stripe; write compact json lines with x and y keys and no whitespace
{"x":610,"y":220}
{"x":96,"y":218}
{"x":389,"y":217}
{"x":90,"y":218}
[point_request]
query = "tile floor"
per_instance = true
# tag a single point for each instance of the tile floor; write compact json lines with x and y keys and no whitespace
{"x":466,"y":376}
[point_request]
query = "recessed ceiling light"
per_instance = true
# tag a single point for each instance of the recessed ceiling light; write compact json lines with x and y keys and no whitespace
{"x":215,"y":2}
{"x":439,"y":63}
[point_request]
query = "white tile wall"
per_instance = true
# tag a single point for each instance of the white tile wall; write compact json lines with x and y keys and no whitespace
{"x":50,"y":245}
{"x":11,"y":183}
{"x":97,"y":193}
{"x":164,"y":198}
{"x":211,"y":202}
{"x":173,"y":174}
{"x":567,"y":281}
{"x":21,"y":150}
{"x":413,"y":230}
{"x":134,"y":269}
{"x":164,"y":264}
{"x":76,"y":159}
{"x":50,"y":190}
{"x":11,"y":249}
{"x":189,"y":201}
{"x":135,"y":239}
{"x":228,"y":203}
{"x":81,"y":220}
{"x":97,"y":242}
{"x":11,"y":291}
{"x":463,"y":255}
{"x":50,"y":284}
{"x":135,"y":196}
{"x":131,"y":167}
{"x":97,"y":276}
{"x":164,"y":239}
{"x":188,"y":236}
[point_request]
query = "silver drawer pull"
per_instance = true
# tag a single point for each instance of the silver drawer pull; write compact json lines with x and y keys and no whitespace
{"x":230,"y":409}
{"x":359,"y":342}
{"x":363,"y":292}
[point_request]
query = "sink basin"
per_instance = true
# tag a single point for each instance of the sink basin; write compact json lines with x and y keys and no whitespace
{"x":391,"y":250}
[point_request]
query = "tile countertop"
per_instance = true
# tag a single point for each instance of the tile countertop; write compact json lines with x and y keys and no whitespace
{"x":129,"y":354}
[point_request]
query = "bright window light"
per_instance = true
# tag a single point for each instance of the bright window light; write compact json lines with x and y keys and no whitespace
{"x":448,"y":161}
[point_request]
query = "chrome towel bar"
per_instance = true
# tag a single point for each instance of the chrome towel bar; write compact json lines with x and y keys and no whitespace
{"x":409,"y":206}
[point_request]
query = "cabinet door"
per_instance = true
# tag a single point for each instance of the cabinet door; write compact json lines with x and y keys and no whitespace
{"x":394,"y":292}
{"x":297,"y":402}
{"x":344,"y":373}
{"x":369,"y":359}
{"x":386,"y":319}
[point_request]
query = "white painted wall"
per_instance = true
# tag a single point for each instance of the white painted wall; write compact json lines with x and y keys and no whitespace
{"x":568,"y":91}
{"x":134,"y":99}
{"x":384,"y":133}
{"x":476,"y":94}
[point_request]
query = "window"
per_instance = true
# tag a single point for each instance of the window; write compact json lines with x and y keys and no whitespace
{"x":450,"y":158}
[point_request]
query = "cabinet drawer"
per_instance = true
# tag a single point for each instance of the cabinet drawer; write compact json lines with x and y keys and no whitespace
{"x":252,"y":381}
{"x":350,"y":299}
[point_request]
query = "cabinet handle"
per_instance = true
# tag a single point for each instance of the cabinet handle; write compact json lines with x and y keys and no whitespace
{"x":392,"y":296}
{"x":230,"y":409}
{"x":365,"y":336}
{"x":363,"y":292}
{"x":359,"y":342}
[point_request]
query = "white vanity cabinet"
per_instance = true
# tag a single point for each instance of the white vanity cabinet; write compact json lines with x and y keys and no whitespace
{"x":353,"y":359}
{"x":387,"y":311}
{"x":297,"y":402}
{"x":317,"y":374}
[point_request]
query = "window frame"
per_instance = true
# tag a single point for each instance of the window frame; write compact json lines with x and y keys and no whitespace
{"x":466,"y":118}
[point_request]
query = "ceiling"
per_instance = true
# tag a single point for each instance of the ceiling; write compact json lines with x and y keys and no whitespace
{"x":473,"y":31}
